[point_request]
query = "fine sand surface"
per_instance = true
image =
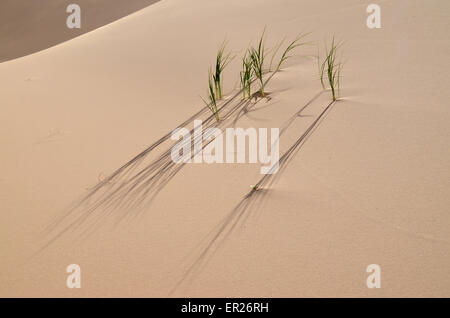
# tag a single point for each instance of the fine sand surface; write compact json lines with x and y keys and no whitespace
{"x":370,"y":185}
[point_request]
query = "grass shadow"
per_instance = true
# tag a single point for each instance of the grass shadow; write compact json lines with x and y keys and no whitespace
{"x":251,"y":201}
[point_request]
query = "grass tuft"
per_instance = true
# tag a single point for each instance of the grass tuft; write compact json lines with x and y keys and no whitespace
{"x":212,"y":105}
{"x":293,"y":45}
{"x":222,"y":60}
{"x":257,"y":56}
{"x":286,"y":54}
{"x":246,"y":76}
{"x":332,"y":68}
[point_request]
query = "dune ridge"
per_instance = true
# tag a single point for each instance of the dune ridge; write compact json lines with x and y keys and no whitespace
{"x":31,"y":26}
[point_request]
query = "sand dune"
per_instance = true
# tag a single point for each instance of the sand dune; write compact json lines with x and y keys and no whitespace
{"x":363,"y":181}
{"x":30,"y":26}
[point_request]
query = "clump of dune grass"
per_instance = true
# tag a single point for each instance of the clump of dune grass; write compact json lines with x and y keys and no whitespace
{"x":222,"y":60}
{"x":246,"y":76}
{"x":258,"y":56}
{"x":212,"y":104}
{"x":292,"y":45}
{"x":332,"y":68}
{"x":286,"y":54}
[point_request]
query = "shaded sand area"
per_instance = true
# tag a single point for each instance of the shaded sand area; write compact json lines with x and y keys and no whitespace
{"x":364,"y":181}
{"x":30,"y":26}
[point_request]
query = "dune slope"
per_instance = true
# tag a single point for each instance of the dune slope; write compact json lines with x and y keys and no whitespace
{"x":370,"y":185}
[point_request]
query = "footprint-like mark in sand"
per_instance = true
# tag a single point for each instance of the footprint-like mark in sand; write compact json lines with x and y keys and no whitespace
{"x":53,"y":135}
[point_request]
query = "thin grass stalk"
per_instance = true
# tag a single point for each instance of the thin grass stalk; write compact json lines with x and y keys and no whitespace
{"x":222,"y":60}
{"x":332,"y":69}
{"x":286,"y":53}
{"x":212,"y":105}
{"x":246,"y":76}
{"x":258,"y":56}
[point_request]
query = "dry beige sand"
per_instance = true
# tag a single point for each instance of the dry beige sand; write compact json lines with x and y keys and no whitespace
{"x":369,"y":186}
